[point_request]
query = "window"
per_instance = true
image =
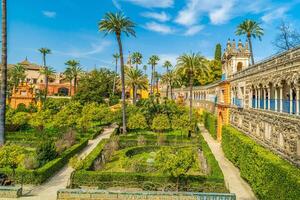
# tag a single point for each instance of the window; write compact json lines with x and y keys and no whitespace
{"x":34,"y":81}
{"x":239,"y":66}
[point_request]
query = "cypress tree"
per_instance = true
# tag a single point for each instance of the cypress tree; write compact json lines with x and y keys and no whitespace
{"x":218,"y":52}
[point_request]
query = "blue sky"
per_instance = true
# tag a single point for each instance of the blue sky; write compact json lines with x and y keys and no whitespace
{"x":166,"y":28}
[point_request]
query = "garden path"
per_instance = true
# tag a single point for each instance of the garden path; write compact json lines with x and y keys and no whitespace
{"x":48,"y":190}
{"x":232,"y":177}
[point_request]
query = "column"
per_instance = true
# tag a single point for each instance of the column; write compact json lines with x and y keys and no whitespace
{"x":297,"y":100}
{"x":257,"y":105}
{"x":250,"y":98}
{"x":258,"y":97}
{"x":280,"y":98}
{"x":269,"y":98}
{"x":275,"y":99}
{"x":264,"y":97}
{"x":291,"y":100}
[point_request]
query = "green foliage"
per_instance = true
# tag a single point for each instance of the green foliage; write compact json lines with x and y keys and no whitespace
{"x":218,"y":52}
{"x":95,"y":86}
{"x":75,"y":162}
{"x":20,"y":119}
{"x":161,"y":123}
{"x":11,"y":156}
{"x":137,"y":121}
{"x":46,"y":152}
{"x":40,"y":119}
{"x":269,"y":176}
{"x":55,"y":105}
{"x":210,"y":123}
{"x":181,"y":123}
{"x":113,"y":100}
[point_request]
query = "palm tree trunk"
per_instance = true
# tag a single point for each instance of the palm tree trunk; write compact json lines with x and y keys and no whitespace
{"x":46,"y":76}
{"x":191,"y":96}
{"x":46,"y":87}
{"x":116,"y":70}
{"x":134,"y":94}
{"x":70,"y":88}
{"x":75,"y":84}
{"x":251,"y":51}
{"x":152,"y":73}
{"x":123,"y":83}
{"x":157,"y":80}
{"x":3,"y":73}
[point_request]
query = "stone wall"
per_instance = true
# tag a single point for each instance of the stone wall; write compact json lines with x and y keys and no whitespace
{"x":10,"y":192}
{"x":276,"y":131}
{"x":80,"y":194}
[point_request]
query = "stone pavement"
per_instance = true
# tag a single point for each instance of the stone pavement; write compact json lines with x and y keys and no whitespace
{"x":232,"y":177}
{"x":48,"y":190}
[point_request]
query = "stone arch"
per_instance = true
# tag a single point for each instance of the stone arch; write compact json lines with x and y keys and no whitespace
{"x":63,"y":91}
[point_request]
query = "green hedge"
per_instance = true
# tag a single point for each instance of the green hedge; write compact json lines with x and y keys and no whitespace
{"x":270,"y":176}
{"x":41,"y":174}
{"x":210,"y":123}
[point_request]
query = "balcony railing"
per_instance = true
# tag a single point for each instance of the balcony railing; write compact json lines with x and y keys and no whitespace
{"x":288,"y":106}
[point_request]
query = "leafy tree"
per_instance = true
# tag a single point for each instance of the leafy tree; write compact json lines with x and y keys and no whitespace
{"x":46,"y":152}
{"x":137,"y":121}
{"x":136,"y":80}
{"x":218,"y":52}
{"x":287,"y":37}
{"x":11,"y":156}
{"x":118,"y":24}
{"x":69,"y":76}
{"x":192,"y":65}
{"x":3,"y":79}
{"x":161,"y":123}
{"x":45,"y":71}
{"x":55,"y":105}
{"x":40,"y":119}
{"x":137,"y":59}
{"x":153,"y":61}
{"x":20,"y":119}
{"x":116,"y":57}
{"x":181,"y":123}
{"x":16,"y":75}
{"x":95,"y":86}
{"x":75,"y":70}
{"x":251,"y":29}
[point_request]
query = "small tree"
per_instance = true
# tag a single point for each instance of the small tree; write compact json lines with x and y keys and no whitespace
{"x":181,"y":123}
{"x":161,"y":123}
{"x":40,"y":119}
{"x":137,"y":121}
{"x":20,"y":119}
{"x":46,"y":152}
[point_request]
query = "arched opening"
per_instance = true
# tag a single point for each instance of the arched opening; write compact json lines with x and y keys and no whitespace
{"x":239,"y":66}
{"x":63,"y":91}
{"x":219,"y":128}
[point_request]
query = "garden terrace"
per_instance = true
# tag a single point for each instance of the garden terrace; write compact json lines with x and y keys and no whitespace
{"x":137,"y":160}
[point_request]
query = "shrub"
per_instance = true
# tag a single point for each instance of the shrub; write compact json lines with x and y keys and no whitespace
{"x":269,"y":176}
{"x":40,"y":119}
{"x":75,"y":162}
{"x":161,"y":139}
{"x":30,"y":162}
{"x":20,"y":119}
{"x":210,"y":123}
{"x":46,"y":152}
{"x":113,"y":100}
{"x":160,"y":123}
{"x":68,"y":140}
{"x":137,"y":121}
{"x":181,"y":123}
{"x":11,"y":156}
{"x":141,"y":140}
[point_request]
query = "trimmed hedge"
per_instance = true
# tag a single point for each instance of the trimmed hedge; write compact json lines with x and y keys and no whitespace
{"x":270,"y":176}
{"x":210,"y":123}
{"x":41,"y":174}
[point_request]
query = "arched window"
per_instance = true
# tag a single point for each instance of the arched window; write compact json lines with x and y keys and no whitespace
{"x":239,"y":66}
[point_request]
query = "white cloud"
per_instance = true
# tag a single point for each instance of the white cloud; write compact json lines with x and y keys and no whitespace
{"x":274,"y":14}
{"x":221,"y":15}
{"x":162,"y":16}
{"x":160,"y":28}
{"x":153,"y":3}
{"x":192,"y":30}
{"x":49,"y":14}
{"x":117,"y":4}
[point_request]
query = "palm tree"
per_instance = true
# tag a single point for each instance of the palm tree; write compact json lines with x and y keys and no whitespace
{"x":191,"y":65}
{"x":75,"y":70}
{"x":153,"y":61}
{"x":137,"y":59}
{"x":136,"y":80}
{"x":157,"y":76}
{"x":116,"y":57}
{"x":44,"y":52}
{"x":167,"y":65}
{"x":16,"y":75}
{"x":47,"y":72}
{"x":250,"y":28}
{"x":3,"y":73}
{"x":69,"y":76}
{"x":118,"y":24}
{"x":145,"y":69}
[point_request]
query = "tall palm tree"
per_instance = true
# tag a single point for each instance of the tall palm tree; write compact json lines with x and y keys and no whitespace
{"x":16,"y":75}
{"x":157,"y":76}
{"x":250,"y":28}
{"x":116,"y":57}
{"x":69,"y":76}
{"x":136,"y":80}
{"x":137,"y":59}
{"x":76,"y":70}
{"x":167,"y":64}
{"x":145,"y":69}
{"x":3,"y":73}
{"x":191,"y":65}
{"x":47,"y":72}
{"x":153,"y":61}
{"x":44,"y":52}
{"x":118,"y":24}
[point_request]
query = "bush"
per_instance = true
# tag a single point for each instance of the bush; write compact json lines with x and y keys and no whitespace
{"x":30,"y":162}
{"x":20,"y":119}
{"x":46,"y":152}
{"x":269,"y":176}
{"x":75,"y":162}
{"x":137,"y":121}
{"x":11,"y":156}
{"x":40,"y":119}
{"x":68,"y":140}
{"x":210,"y":123}
{"x":160,"y":123}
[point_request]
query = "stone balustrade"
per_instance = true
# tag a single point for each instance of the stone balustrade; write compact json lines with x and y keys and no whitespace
{"x":10,"y":191}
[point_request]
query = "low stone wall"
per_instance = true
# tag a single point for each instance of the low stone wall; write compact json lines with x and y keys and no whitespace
{"x":10,"y":192}
{"x":80,"y":194}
